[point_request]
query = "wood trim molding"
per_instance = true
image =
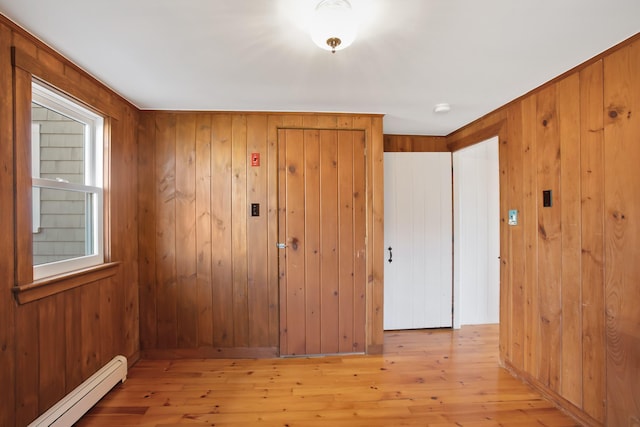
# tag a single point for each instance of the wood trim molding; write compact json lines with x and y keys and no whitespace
{"x":52,"y":285}
{"x":490,"y":130}
{"x":415,"y":143}
{"x":51,"y":75}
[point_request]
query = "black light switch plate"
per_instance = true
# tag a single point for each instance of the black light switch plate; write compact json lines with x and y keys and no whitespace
{"x":546,"y":199}
{"x":255,"y":209}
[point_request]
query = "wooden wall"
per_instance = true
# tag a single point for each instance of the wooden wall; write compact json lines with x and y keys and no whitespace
{"x":208,"y":270}
{"x":570,"y":274}
{"x":50,"y":345}
{"x":415,"y":143}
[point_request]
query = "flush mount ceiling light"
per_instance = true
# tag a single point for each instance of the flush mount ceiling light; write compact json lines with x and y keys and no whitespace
{"x":333,"y":25}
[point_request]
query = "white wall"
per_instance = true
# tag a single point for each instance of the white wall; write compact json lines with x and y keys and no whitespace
{"x":476,"y":234}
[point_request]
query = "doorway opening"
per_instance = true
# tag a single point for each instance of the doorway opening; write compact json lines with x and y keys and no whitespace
{"x":476,"y":212}
{"x":418,"y":244}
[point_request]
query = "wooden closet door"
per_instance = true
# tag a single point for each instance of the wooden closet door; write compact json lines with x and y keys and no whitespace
{"x":323,"y":225}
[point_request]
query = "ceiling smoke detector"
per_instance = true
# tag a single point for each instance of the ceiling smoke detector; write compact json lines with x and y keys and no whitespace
{"x":442,"y":108}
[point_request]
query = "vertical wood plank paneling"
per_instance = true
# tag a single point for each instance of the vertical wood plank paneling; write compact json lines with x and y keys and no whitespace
{"x":91,"y":328}
{"x":204,"y":279}
{"x":257,"y":234}
{"x":167,"y":293}
{"x":186,"y":251}
{"x":113,"y":301}
{"x":504,"y":152}
{"x":295,"y":228}
{"x":222,"y":270}
{"x":580,"y":254}
{"x":375,"y":261}
{"x":592,"y":181}
{"x":568,"y":107}
{"x":107,"y":303}
{"x":516,"y":236}
{"x":622,"y":234}
{"x":244,"y":274}
{"x":359,"y":238}
{"x":73,"y":347}
{"x":398,"y":143}
{"x":283,"y":259}
{"x":239,"y":210}
{"x":360,"y":212}
{"x":54,"y":349}
{"x":7,"y":304}
{"x":346,"y":243}
{"x":27,"y":357}
{"x":549,"y":239}
{"x":147,"y":230}
{"x":415,"y":143}
{"x":313,"y":276}
{"x":529,"y":220}
{"x":272,"y":229}
{"x":128,"y":188}
{"x":51,"y":363}
{"x":329,"y":242}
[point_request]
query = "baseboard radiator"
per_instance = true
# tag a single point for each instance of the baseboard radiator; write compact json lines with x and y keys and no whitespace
{"x":75,"y":404}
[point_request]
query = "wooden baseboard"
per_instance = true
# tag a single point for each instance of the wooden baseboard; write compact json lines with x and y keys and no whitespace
{"x":211,"y":353}
{"x":561,"y":403}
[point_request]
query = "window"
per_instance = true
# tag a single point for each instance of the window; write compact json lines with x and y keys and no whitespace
{"x":67,"y":195}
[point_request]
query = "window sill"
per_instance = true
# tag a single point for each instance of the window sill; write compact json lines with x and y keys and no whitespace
{"x":52,"y":285}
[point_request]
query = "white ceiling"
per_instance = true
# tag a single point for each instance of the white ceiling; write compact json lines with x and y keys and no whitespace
{"x":255,"y":55}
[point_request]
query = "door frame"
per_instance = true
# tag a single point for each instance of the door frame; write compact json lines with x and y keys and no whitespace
{"x":490,"y":128}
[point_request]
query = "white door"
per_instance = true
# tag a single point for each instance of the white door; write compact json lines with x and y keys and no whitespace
{"x":477,"y":234}
{"x":418,"y":240}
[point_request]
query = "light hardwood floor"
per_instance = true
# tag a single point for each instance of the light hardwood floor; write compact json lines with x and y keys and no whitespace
{"x":424,"y":378}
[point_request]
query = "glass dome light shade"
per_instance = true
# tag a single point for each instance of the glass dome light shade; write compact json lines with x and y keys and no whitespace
{"x":333,"y":19}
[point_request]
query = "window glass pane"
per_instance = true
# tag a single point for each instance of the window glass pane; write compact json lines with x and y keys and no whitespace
{"x":64,"y":231}
{"x":62,"y":146}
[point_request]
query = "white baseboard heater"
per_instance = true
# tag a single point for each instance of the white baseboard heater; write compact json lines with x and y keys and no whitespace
{"x":75,"y":404}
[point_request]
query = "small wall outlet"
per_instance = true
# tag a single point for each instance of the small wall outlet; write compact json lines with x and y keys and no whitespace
{"x":255,"y":209}
{"x":513,"y":217}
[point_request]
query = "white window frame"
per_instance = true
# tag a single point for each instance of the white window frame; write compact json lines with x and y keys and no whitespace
{"x":93,"y":186}
{"x":35,"y":171}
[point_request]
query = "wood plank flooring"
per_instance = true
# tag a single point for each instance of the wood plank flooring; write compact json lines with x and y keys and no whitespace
{"x":424,"y":378}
